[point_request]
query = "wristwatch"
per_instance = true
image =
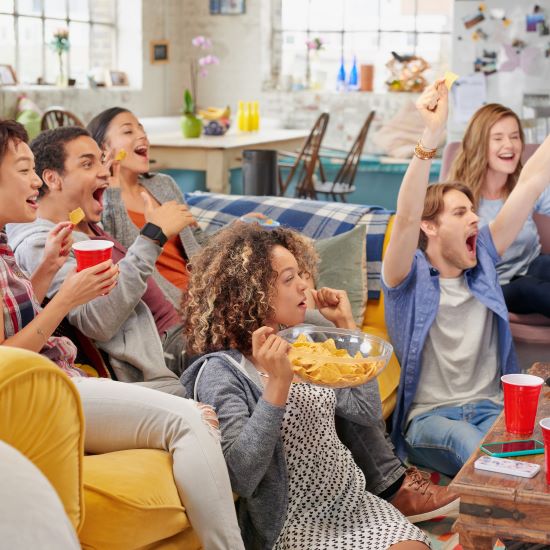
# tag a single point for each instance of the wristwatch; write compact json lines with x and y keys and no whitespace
{"x":155,"y":233}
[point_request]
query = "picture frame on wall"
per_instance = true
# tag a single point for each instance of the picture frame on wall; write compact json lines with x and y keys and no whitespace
{"x":227,"y":7}
{"x":7,"y":75}
{"x":118,"y":78}
{"x":160,"y":51}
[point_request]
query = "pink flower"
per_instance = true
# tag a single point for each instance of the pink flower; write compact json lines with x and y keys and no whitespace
{"x":62,"y":32}
{"x":208,"y":60}
{"x":315,"y":44}
{"x":202,"y":42}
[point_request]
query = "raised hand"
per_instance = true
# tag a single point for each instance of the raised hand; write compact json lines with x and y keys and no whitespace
{"x":433,"y":106}
{"x":113,"y":165}
{"x":335,"y":306}
{"x":79,"y":288}
{"x":170,"y":216}
{"x":58,"y":245}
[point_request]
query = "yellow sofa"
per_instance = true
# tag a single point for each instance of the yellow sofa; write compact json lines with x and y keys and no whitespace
{"x":374,"y":323}
{"x":124,"y":500}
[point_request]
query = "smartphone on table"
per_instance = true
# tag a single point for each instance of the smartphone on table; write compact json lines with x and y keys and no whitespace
{"x":513,"y":448}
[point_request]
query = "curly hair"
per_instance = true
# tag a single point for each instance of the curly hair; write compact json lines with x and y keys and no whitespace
{"x":49,"y":150}
{"x":470,"y":164}
{"x":233,"y":282}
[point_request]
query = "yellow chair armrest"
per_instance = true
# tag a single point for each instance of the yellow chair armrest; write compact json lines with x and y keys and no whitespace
{"x":41,"y":416}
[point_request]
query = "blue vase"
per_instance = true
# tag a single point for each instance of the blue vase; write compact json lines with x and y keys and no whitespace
{"x":353,"y":82}
{"x":341,"y":78}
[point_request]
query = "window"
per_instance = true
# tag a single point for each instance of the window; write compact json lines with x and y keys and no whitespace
{"x":27,"y":28}
{"x":368,"y":30}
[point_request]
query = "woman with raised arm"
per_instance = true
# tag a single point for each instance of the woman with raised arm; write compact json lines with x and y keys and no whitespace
{"x":489,"y":162}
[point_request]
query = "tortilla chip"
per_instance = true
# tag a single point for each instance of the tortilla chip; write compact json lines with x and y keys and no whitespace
{"x":76,"y":216}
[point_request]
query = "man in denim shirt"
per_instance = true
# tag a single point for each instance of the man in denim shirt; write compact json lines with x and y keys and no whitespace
{"x":444,"y":307}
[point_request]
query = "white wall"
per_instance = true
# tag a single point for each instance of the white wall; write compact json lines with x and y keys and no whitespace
{"x":237,"y":41}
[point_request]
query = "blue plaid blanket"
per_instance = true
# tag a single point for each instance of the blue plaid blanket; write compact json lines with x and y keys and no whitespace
{"x":316,"y":219}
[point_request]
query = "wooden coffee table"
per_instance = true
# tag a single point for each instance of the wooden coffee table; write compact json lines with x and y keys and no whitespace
{"x":496,"y":505}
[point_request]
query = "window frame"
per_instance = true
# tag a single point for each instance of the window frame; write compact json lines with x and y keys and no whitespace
{"x":63,"y":21}
{"x":277,"y":33}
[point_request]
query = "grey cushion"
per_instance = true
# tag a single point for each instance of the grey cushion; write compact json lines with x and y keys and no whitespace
{"x":343,"y":266}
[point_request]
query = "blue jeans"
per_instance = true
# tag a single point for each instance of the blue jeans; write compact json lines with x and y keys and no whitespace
{"x":445,"y":437}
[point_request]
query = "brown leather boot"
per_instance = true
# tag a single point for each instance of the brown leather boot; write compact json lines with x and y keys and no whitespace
{"x":420,"y":500}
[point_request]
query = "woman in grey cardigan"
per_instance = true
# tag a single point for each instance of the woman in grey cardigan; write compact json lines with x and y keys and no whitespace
{"x":298,"y":484}
{"x":117,"y":130}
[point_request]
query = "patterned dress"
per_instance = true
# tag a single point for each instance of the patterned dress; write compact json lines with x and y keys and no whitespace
{"x":328,"y":506}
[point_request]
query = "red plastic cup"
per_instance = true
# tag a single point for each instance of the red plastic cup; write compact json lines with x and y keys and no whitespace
{"x":521,"y":398}
{"x":92,"y":252}
{"x":545,"y":426}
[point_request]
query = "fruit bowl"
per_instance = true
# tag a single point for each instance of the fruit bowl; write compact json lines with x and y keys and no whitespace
{"x":215,"y":127}
{"x":334,"y":357}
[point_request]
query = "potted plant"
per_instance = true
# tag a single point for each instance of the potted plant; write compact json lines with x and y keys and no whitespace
{"x":60,"y":44}
{"x":191,"y":126}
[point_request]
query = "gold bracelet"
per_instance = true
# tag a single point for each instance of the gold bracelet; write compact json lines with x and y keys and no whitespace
{"x":423,"y":153}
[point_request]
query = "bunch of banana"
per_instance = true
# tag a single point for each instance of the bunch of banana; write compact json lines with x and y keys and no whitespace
{"x":215,"y":113}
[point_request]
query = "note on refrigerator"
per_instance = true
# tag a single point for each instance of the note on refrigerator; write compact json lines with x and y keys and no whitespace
{"x":469,"y":93}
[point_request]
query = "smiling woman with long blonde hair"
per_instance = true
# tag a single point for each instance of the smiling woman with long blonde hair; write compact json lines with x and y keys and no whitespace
{"x":489,"y":163}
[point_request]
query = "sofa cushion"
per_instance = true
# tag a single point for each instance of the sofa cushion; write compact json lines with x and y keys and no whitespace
{"x":343,"y":265}
{"x":33,"y":392}
{"x":131,"y":500}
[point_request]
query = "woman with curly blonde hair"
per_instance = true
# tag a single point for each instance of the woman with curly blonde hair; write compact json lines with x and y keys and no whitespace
{"x":489,"y":163}
{"x":298,"y":484}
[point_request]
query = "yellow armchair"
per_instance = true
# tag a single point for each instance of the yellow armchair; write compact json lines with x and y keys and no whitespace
{"x":123,"y":500}
{"x":374,"y":322}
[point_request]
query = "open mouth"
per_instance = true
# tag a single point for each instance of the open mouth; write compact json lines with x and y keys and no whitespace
{"x":142,"y":151}
{"x":302,"y":304}
{"x":32,"y":201}
{"x":471,"y":244}
{"x":507,"y":157}
{"x":98,"y":195}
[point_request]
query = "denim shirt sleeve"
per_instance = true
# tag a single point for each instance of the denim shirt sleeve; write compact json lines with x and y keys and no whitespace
{"x":404,"y":284}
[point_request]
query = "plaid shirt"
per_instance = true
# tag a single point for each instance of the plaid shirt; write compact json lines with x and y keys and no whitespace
{"x":20,"y":307}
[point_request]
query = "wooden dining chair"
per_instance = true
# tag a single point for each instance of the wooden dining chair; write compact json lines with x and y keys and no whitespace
{"x":305,"y":163}
{"x":343,"y":182}
{"x":55,"y":117}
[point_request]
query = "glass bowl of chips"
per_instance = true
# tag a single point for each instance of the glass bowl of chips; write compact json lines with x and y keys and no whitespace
{"x":335,"y":357}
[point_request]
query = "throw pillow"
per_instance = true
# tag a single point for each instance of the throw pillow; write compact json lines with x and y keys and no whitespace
{"x":343,"y":266}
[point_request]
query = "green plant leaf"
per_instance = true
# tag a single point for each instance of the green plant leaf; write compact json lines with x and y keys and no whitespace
{"x":188,"y":102}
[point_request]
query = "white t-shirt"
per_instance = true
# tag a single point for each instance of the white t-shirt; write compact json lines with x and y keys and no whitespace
{"x":460,"y":358}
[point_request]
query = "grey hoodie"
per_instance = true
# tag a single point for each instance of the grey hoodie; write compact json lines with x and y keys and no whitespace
{"x":120,"y":323}
{"x":251,"y":437}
